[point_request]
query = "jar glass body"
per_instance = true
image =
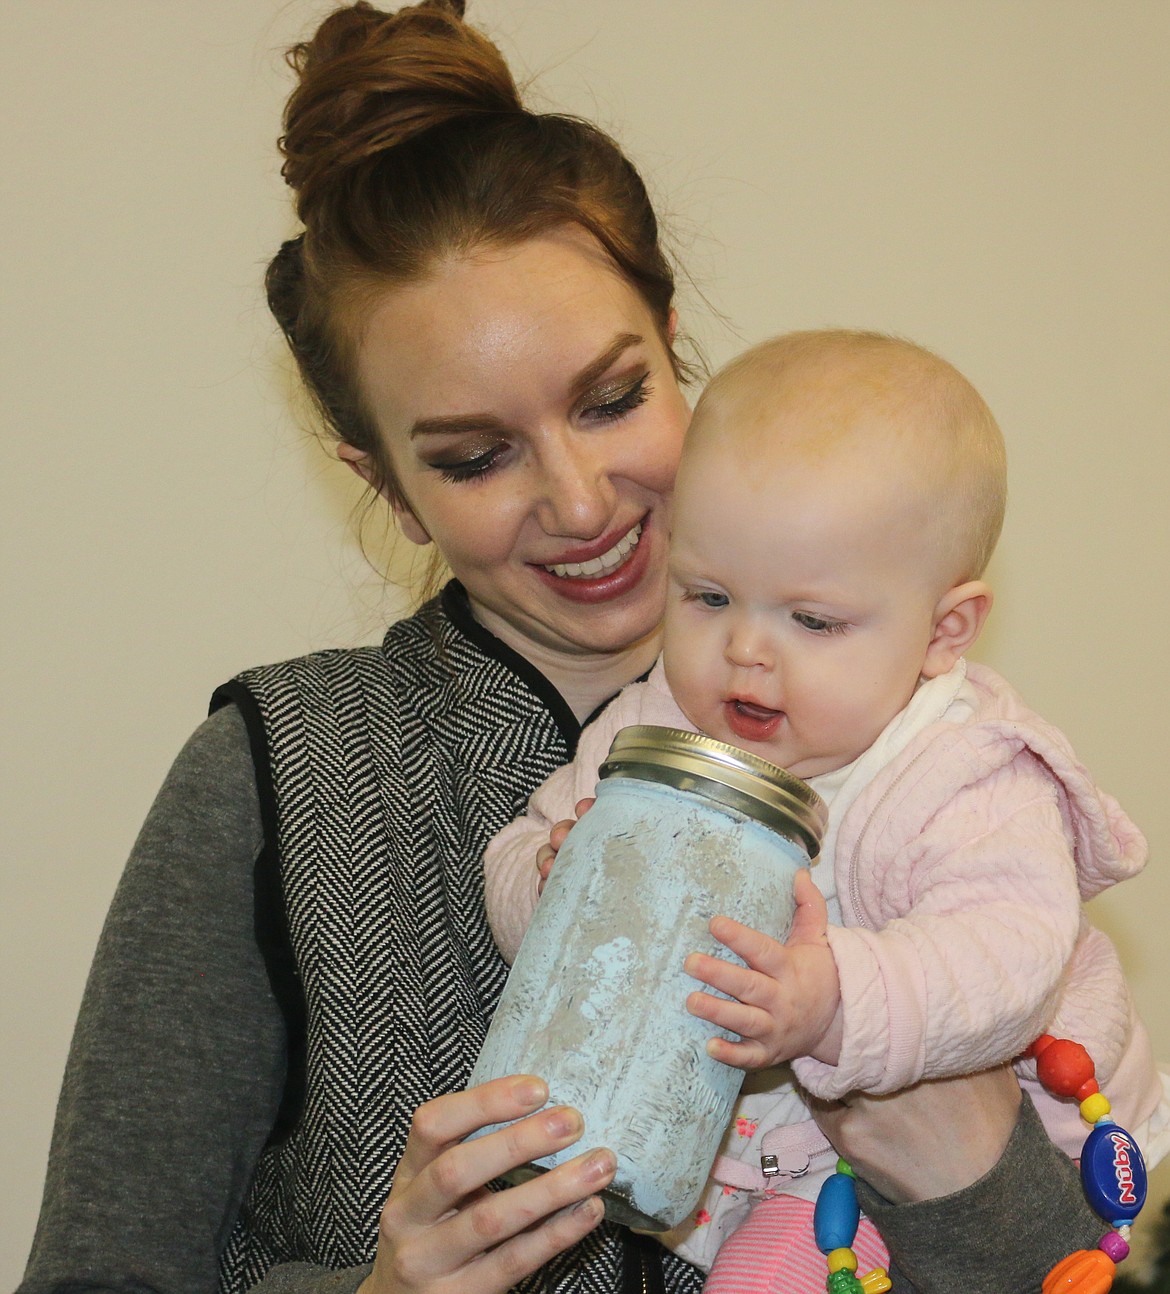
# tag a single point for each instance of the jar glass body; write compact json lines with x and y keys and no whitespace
{"x":595,"y":1003}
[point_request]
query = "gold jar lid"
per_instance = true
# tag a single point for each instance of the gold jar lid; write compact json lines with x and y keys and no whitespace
{"x":731,"y":777}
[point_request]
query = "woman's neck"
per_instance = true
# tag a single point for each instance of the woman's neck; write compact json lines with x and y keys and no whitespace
{"x":585,"y":680}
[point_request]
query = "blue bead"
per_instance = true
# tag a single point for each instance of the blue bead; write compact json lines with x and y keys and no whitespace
{"x":1114,"y":1173}
{"x":836,"y":1214}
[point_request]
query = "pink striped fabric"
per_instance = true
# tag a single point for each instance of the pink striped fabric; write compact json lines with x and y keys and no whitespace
{"x":774,"y":1252}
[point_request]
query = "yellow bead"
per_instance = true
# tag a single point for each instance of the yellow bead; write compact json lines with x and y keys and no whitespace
{"x":876,"y":1282}
{"x":841,"y":1260}
{"x":1095,"y":1107}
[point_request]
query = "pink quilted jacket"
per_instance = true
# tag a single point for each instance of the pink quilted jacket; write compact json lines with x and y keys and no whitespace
{"x":961,"y":870}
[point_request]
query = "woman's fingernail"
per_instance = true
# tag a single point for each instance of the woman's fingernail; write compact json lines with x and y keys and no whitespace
{"x":530,"y":1091}
{"x":599,"y":1165}
{"x":565,"y":1122}
{"x":592,"y":1209}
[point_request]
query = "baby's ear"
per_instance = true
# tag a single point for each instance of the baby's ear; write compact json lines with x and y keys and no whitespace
{"x":958,"y":619}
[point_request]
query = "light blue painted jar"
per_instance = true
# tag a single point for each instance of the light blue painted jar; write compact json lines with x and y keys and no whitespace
{"x":684,"y":828}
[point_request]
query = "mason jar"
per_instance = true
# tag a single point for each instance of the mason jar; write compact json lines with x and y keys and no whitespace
{"x":684,"y":828}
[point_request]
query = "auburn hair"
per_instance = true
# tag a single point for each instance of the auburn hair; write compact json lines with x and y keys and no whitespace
{"x":405,"y":141}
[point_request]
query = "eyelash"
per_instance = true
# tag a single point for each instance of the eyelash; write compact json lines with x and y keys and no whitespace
{"x":627,"y":402}
{"x":824,"y":627}
{"x":473,"y":469}
{"x":814,"y":624}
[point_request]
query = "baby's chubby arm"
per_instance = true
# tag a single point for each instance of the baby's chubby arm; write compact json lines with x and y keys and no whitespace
{"x":785,"y":1002}
{"x":512,"y":881}
{"x":968,"y":972}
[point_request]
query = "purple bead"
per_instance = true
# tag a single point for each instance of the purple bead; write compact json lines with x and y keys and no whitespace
{"x":1114,"y":1246}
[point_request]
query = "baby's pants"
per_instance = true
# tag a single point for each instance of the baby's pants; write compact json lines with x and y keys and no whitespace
{"x":774,"y":1252}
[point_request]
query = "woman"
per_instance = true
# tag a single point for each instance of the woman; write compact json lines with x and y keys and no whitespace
{"x":296,"y":974}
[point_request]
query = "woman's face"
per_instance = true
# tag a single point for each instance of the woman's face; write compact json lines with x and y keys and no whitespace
{"x":530,"y":413}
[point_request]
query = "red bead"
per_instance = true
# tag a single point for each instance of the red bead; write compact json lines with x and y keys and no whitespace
{"x":1087,"y":1089}
{"x":1038,"y":1046}
{"x":1064,"y":1066}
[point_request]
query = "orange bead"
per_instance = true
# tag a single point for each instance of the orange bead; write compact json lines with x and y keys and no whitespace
{"x":1063,"y":1066}
{"x":1088,"y":1271}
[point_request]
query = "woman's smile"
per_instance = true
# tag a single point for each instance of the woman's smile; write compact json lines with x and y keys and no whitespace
{"x":586,"y":566}
{"x":617,"y":572}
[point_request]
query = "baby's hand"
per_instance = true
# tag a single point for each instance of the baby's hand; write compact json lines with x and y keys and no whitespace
{"x":786,"y":1002}
{"x":546,"y":855}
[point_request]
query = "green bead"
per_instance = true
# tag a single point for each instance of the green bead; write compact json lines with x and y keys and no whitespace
{"x":843,"y":1167}
{"x":843,"y":1282}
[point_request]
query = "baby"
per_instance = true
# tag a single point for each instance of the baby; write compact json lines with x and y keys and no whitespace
{"x":839,"y":497}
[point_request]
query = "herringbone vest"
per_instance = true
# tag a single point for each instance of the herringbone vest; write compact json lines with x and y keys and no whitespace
{"x":383,"y":772}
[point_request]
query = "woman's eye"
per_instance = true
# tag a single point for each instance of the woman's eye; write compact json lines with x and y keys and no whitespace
{"x":818,"y":624}
{"x":469,"y":469}
{"x":624,"y":402}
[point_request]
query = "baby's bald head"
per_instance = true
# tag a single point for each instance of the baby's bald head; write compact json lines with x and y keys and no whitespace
{"x":870,"y":408}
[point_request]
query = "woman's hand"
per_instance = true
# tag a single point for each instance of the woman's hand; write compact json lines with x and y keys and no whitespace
{"x":928,"y":1141}
{"x":442,"y":1230}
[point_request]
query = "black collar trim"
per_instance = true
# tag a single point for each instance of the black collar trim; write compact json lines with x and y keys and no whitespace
{"x":455,"y":603}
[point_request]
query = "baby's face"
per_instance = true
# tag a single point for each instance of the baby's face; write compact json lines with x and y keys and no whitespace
{"x":798,"y":613}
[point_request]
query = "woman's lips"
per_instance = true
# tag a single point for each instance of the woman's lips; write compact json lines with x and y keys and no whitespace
{"x":602,"y":564}
{"x":751,"y":722}
{"x":635,"y":553}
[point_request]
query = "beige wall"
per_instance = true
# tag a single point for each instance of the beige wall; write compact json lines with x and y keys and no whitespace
{"x":987,"y":178}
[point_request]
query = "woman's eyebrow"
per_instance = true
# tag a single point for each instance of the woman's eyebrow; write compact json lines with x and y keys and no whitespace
{"x":453,"y":424}
{"x":456,"y":423}
{"x":591,"y":372}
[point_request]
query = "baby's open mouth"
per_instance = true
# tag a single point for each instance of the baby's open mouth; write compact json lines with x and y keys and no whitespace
{"x":751,"y":722}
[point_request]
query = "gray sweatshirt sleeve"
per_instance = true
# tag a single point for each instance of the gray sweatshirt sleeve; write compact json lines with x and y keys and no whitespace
{"x":1000,"y":1236}
{"x":177,"y":1062}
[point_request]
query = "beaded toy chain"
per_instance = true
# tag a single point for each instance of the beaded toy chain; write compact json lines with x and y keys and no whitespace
{"x":1112,"y":1171}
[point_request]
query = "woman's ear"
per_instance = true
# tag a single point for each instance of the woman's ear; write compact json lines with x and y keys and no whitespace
{"x":958,"y":620}
{"x":409,"y":524}
{"x":360,"y":461}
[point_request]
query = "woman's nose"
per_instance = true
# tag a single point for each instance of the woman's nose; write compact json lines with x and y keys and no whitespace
{"x":576,"y":494}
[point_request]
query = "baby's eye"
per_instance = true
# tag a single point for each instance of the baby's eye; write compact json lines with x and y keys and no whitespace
{"x":706,"y":598}
{"x":818,"y":624}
